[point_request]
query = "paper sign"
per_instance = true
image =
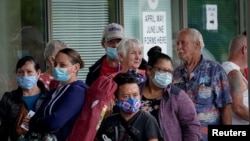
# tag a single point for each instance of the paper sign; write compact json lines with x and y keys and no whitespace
{"x":211,"y":17}
{"x":154,"y":31}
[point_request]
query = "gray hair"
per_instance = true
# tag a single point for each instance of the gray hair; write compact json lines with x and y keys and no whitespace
{"x":195,"y":36}
{"x":127,"y":43}
{"x":53,"y":47}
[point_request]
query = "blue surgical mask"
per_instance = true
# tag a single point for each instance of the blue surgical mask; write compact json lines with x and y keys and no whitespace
{"x":112,"y":53}
{"x":60,"y":74}
{"x":26,"y":82}
{"x":162,"y":80}
{"x":129,"y":105}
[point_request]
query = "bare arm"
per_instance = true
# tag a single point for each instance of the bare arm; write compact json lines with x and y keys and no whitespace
{"x":237,"y":88}
{"x":226,"y":115}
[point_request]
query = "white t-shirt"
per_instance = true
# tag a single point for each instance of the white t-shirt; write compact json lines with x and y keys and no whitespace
{"x":229,"y":66}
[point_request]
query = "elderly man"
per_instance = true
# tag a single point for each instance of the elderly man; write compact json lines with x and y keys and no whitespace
{"x":238,"y":84}
{"x":204,"y":81}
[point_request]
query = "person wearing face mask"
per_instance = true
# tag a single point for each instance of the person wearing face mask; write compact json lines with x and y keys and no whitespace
{"x":50,"y":52}
{"x":129,"y":52}
{"x":169,"y":104}
{"x":60,"y":109}
{"x":29,"y":94}
{"x":130,"y":123}
{"x":108,"y":64}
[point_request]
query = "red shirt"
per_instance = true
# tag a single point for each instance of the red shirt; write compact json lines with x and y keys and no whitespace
{"x":49,"y":81}
{"x":107,"y":70}
{"x":246,"y":72}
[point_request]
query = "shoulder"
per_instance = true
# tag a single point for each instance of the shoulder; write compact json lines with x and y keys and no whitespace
{"x":97,"y":63}
{"x":213,"y":67}
{"x":78,"y":85}
{"x":112,"y":119}
{"x":206,"y":62}
{"x":174,"y":89}
{"x":41,"y":86}
{"x":143,"y":115}
{"x":180,"y":94}
{"x":229,"y":66}
{"x":14,"y":95}
{"x":212,"y":64}
{"x":11,"y":100}
{"x":235,"y":76}
{"x":234,"y":73}
{"x":146,"y":119}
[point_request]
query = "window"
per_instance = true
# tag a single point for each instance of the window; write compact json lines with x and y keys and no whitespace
{"x":23,"y":32}
{"x":80,"y":24}
{"x":216,"y":41}
{"x":151,"y":31}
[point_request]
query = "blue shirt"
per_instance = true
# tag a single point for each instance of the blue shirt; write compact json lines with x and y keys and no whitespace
{"x":208,"y":88}
{"x":31,"y":101}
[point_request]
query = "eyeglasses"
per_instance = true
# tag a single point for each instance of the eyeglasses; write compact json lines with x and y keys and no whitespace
{"x":162,"y":70}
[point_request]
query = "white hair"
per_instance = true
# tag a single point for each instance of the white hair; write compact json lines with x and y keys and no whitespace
{"x":195,"y":36}
{"x":53,"y":47}
{"x":127,"y":43}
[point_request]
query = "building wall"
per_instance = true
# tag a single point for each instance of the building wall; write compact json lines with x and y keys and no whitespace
{"x":89,"y":18}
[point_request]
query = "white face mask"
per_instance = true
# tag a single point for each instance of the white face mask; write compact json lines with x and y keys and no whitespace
{"x":162,"y":80}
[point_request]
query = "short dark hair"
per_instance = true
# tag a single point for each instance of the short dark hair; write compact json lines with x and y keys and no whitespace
{"x":25,"y":59}
{"x":123,"y":78}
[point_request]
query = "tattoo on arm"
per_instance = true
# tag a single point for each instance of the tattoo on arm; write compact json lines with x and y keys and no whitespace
{"x":235,"y":83}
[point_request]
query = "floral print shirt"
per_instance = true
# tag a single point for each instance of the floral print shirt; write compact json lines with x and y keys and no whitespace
{"x":151,"y":105}
{"x":208,"y":88}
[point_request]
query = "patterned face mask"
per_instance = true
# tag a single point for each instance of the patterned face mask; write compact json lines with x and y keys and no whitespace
{"x":129,"y":105}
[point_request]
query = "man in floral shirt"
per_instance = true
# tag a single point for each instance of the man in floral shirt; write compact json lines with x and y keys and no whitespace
{"x":204,"y":81}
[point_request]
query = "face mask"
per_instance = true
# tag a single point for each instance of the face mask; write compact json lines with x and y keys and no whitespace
{"x":60,"y":74}
{"x":162,"y":80}
{"x":129,"y":105}
{"x":26,"y":82}
{"x":112,"y":53}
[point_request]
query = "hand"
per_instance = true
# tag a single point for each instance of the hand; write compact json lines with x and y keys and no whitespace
{"x":110,"y":108}
{"x":25,"y":123}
